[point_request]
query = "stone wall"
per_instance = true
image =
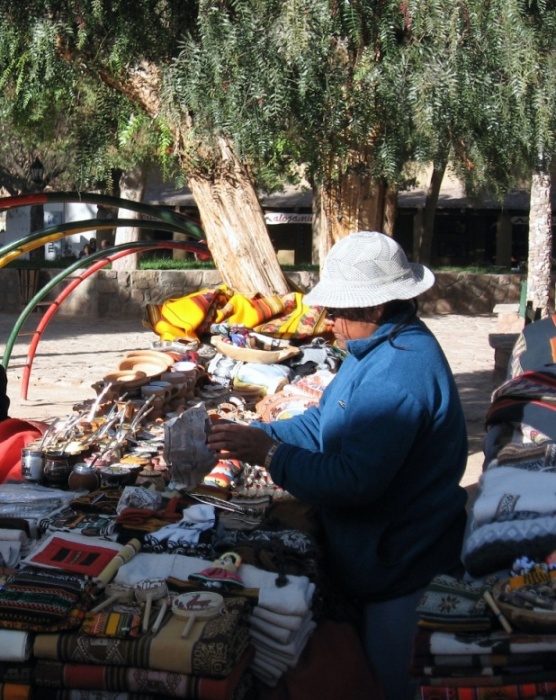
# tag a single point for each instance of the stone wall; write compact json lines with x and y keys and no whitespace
{"x":111,"y":293}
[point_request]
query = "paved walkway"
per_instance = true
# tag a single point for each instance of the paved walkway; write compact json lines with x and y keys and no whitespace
{"x":73,"y":353}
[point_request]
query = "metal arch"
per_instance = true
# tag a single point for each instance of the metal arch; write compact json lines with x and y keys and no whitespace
{"x":153,"y":210}
{"x":54,"y":233}
{"x":55,"y":305}
{"x":126,"y":247}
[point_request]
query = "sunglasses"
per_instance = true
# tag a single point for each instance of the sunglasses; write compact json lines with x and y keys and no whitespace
{"x":348,"y":314}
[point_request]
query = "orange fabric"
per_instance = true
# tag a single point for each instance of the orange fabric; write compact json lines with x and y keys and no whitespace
{"x":15,"y":434}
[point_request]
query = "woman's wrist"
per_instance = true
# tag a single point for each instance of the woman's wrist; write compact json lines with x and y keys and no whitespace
{"x":270,"y":454}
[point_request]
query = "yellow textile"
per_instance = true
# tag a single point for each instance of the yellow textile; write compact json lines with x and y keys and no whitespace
{"x":190,"y":316}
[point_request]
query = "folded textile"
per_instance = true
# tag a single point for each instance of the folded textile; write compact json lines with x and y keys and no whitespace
{"x":212,"y":648}
{"x":280,"y":549}
{"x":123,"y":622}
{"x":17,"y":672}
{"x":494,"y":546}
{"x":254,"y":510}
{"x":508,"y":492}
{"x":280,"y":634}
{"x":73,"y":552}
{"x":39,"y":600}
{"x":86,"y":524}
{"x":513,"y":691}
{"x":191,"y":316}
{"x":15,"y":645}
{"x":195,"y":520}
{"x":294,"y":598}
{"x":13,"y":545}
{"x":56,"y":674}
{"x":15,"y":691}
{"x":530,"y":456}
{"x":271,"y":663}
{"x":285,"y":652}
{"x":289,"y":622}
{"x":271,"y":657}
{"x":471,"y":643}
{"x":31,"y":500}
{"x":452,"y":601}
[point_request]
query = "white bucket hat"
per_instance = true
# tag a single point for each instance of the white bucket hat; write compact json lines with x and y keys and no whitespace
{"x":367,"y":268}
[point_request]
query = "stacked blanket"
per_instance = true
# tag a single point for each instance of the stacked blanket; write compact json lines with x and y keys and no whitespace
{"x":281,"y":622}
{"x":513,"y":513}
{"x":460,"y":652}
{"x":209,"y":663}
{"x":478,"y":666}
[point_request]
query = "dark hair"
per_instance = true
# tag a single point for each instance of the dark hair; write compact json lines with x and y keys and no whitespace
{"x":407,"y":307}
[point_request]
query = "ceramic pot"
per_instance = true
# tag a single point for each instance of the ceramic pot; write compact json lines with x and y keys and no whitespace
{"x":57,"y":468}
{"x":83,"y":477}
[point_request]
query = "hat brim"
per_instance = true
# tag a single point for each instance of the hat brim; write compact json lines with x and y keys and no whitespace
{"x":332,"y":294}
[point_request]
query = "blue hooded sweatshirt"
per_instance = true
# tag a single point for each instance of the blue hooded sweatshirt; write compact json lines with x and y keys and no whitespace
{"x":381,"y":459}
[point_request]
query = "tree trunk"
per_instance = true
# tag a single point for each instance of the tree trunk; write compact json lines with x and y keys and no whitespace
{"x":504,"y":239}
{"x":351,"y":202}
{"x":390,"y":210}
{"x":539,"y":261}
{"x":224,"y":193}
{"x":132,"y":187}
{"x":426,"y":232}
{"x":233,"y":221}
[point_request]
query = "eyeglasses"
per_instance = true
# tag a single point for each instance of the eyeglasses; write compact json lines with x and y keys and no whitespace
{"x":348,"y":314}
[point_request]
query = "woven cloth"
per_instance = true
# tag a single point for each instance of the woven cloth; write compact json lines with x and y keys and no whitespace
{"x":212,"y":648}
{"x":191,"y":316}
{"x":39,"y":600}
{"x":122,"y":679}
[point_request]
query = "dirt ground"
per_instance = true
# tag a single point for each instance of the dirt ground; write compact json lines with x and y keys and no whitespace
{"x":73,"y":353}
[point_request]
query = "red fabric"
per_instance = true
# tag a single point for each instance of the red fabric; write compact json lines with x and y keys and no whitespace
{"x":333,"y":665}
{"x":15,"y":434}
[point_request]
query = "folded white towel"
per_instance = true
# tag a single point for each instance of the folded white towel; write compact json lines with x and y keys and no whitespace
{"x":268,"y":675}
{"x":286,"y":652}
{"x":270,"y":662}
{"x":15,"y":645}
{"x":280,"y":634}
{"x":289,"y":622}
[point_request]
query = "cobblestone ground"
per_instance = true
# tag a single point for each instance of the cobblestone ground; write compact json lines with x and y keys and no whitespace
{"x":73,"y":353}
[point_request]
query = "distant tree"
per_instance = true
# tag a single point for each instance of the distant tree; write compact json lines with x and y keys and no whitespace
{"x":129,"y":47}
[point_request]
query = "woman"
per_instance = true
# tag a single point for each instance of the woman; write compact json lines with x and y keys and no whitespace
{"x":382,"y":455}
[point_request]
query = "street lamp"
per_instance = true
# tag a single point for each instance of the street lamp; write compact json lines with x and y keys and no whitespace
{"x":37,"y":210}
{"x":37,"y":171}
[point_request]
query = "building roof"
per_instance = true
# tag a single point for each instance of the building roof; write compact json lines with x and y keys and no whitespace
{"x":452,"y":196}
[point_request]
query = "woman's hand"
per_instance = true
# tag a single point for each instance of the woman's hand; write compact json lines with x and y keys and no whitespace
{"x":237,"y":441}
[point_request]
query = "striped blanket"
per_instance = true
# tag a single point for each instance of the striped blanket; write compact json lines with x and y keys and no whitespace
{"x":190,"y":317}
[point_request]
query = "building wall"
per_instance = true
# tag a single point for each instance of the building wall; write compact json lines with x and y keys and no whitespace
{"x":112,"y":293}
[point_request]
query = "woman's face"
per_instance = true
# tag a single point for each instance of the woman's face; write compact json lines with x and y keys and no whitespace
{"x":345,"y":328}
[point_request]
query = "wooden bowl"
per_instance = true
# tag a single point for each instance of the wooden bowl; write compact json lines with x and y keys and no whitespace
{"x":536,"y":620}
{"x":162,"y":357}
{"x":129,"y":379}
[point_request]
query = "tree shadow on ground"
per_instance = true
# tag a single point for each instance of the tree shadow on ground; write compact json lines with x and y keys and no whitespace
{"x":475,"y":389}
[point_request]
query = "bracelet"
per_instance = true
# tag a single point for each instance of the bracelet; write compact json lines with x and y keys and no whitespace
{"x":270,"y":455}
